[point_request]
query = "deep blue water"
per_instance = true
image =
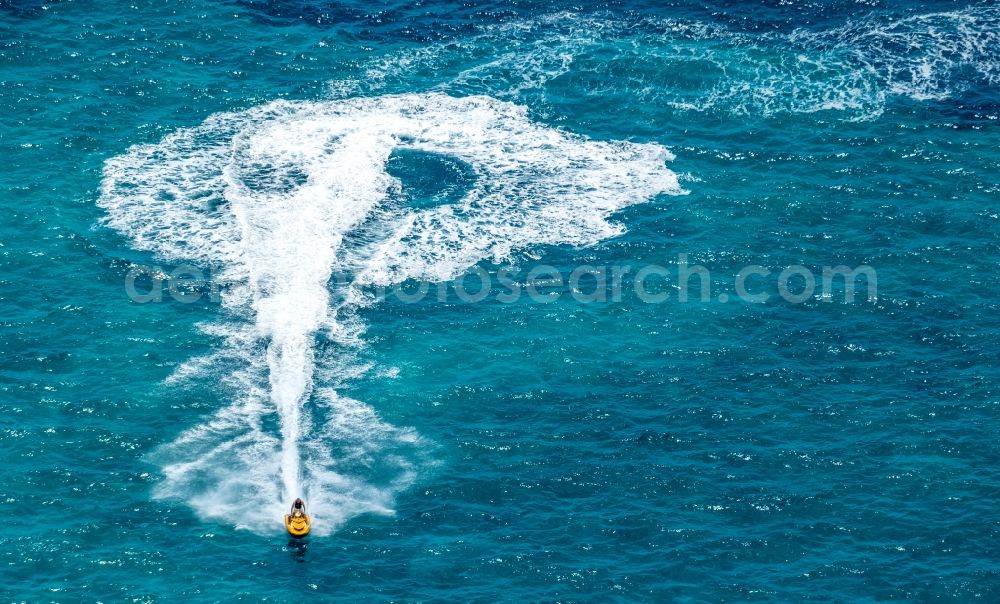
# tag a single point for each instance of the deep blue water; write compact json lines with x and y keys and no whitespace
{"x":304,"y":157}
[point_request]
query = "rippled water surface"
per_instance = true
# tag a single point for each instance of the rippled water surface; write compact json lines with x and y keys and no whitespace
{"x":306,"y":156}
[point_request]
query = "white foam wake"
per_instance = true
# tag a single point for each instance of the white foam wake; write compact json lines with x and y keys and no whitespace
{"x":856,"y":68}
{"x":267,"y":196}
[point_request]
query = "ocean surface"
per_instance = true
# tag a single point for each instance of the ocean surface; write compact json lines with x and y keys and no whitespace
{"x":242,"y":253}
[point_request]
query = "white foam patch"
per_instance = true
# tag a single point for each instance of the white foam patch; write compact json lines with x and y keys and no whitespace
{"x":278,"y":198}
{"x":925,"y":57}
{"x":693,"y":66}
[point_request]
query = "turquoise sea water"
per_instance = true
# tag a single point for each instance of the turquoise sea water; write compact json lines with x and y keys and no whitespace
{"x":305,"y":156}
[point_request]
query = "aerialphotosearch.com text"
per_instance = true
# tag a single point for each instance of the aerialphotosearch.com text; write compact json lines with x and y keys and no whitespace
{"x":678,"y":282}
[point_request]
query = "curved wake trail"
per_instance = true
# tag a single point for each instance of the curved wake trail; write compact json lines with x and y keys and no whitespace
{"x":859,"y":68}
{"x":278,"y":198}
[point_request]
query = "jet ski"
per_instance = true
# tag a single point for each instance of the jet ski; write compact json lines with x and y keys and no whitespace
{"x":297,"y":522}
